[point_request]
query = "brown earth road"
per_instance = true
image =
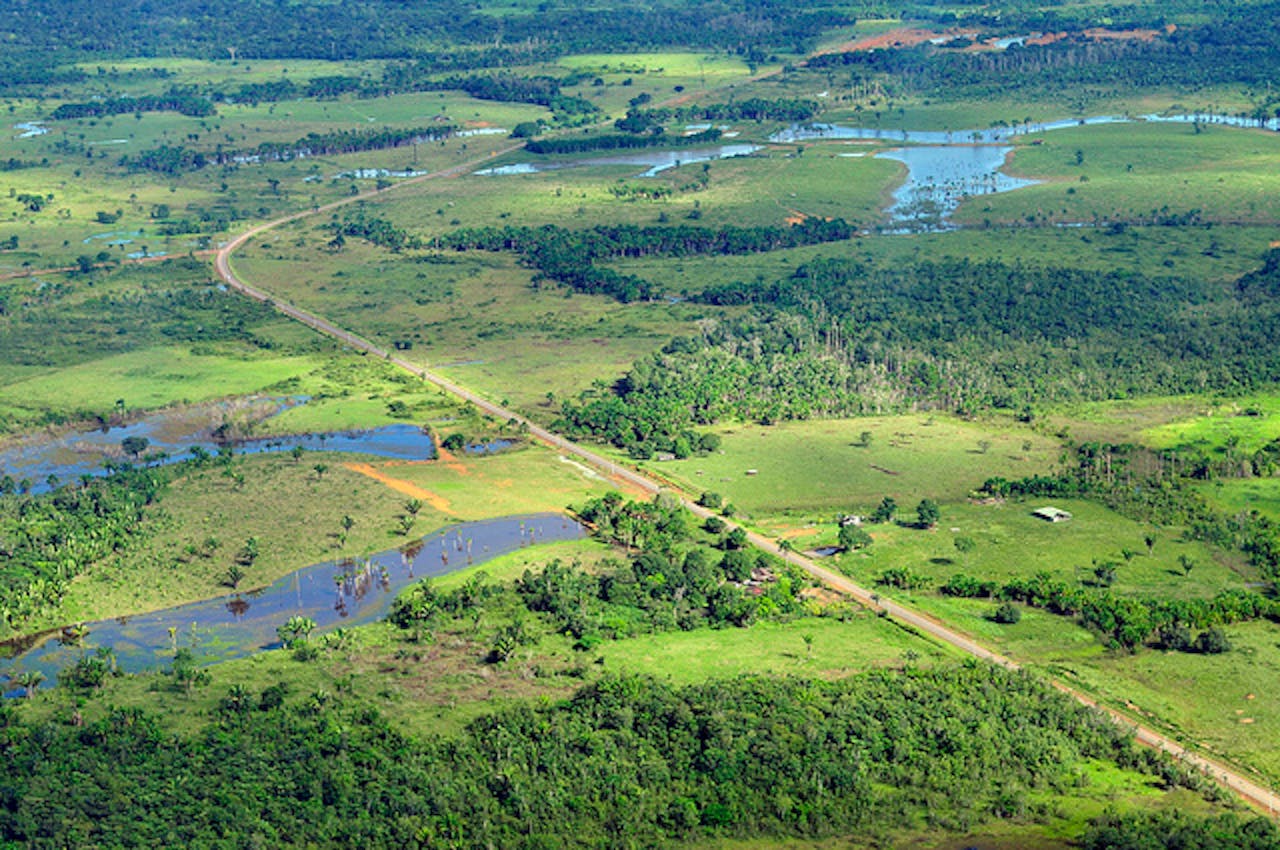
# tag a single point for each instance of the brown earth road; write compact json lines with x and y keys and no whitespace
{"x":1252,"y":792}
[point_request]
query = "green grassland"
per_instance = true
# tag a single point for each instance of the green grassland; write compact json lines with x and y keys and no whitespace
{"x":1140,"y":171}
{"x":1214,"y":255}
{"x":474,"y":317}
{"x":214,"y":198}
{"x":1250,"y":422}
{"x":818,"y":469}
{"x":1010,"y":542}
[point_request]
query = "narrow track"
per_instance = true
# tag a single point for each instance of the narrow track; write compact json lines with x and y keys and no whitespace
{"x":1263,"y":799}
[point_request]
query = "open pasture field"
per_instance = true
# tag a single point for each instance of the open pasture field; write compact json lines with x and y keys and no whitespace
{"x":1008,"y":542}
{"x":1245,"y":495}
{"x":474,"y":317}
{"x":1215,"y":255}
{"x":1250,"y":422}
{"x":1140,"y":172}
{"x":769,"y":187}
{"x":147,"y":213}
{"x":815,"y":470}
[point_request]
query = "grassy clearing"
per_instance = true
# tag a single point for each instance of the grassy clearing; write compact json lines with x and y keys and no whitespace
{"x":213,"y":199}
{"x":150,"y":378}
{"x":815,"y":647}
{"x":1141,"y":170}
{"x":1010,"y":542}
{"x":820,"y":468}
{"x":1246,"y":495}
{"x":1250,"y":421}
{"x":1219,"y":254}
{"x":473,"y":317}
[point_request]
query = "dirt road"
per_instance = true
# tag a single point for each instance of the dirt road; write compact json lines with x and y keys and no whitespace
{"x":1254,"y":793}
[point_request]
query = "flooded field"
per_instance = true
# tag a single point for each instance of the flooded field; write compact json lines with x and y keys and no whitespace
{"x":332,"y":593}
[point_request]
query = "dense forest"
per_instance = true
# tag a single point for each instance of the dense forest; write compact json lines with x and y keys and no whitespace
{"x":624,"y":756}
{"x":840,"y":337}
{"x":451,"y":33}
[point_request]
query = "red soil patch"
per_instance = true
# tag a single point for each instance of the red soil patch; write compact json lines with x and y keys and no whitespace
{"x":901,"y":37}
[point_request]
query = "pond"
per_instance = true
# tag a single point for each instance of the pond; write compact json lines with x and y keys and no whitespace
{"x":944,"y":167}
{"x":344,"y":592}
{"x":176,"y":434}
{"x":654,"y":162}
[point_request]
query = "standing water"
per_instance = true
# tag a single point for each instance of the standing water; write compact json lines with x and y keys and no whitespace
{"x":333,"y":593}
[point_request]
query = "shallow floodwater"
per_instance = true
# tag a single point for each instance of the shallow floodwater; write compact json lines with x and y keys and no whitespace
{"x":944,"y":167}
{"x":654,"y":161}
{"x":177,"y":433}
{"x":332,"y":593}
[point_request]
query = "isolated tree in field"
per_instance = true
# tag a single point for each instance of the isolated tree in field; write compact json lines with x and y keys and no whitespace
{"x":927,"y":513}
{"x":233,"y":576}
{"x":864,"y":439}
{"x":1007,"y":614}
{"x":885,"y":511}
{"x":295,"y":631}
{"x":1212,"y":641}
{"x":248,"y":553}
{"x":320,"y":469}
{"x":413,"y":506}
{"x":1150,"y":541}
{"x":134,"y":446}
{"x":851,"y":537}
{"x":1187,"y":563}
{"x":1104,"y":573}
{"x":984,"y":446}
{"x":965,"y":545}
{"x":297,"y":452}
{"x":187,"y":673}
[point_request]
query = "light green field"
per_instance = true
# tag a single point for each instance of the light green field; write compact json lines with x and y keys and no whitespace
{"x":1245,"y":496}
{"x":1137,"y":171}
{"x":1210,"y":255}
{"x":838,"y":649}
{"x":148,"y":379}
{"x":816,"y":470}
{"x":1252,"y":421}
{"x":1010,"y":543}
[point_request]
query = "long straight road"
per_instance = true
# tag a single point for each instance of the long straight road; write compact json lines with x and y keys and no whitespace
{"x":1255,"y":794}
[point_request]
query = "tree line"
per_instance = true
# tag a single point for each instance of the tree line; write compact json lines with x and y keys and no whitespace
{"x":570,"y":256}
{"x":618,"y":141}
{"x":175,"y":159}
{"x":175,"y":100}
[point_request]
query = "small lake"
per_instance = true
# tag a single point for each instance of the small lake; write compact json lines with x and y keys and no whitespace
{"x":654,"y":162}
{"x":177,"y":433}
{"x":944,"y":167}
{"x":344,"y":592}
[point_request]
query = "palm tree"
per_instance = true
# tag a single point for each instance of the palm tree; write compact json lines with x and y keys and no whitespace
{"x":29,"y":681}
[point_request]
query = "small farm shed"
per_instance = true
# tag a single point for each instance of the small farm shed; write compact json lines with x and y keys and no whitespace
{"x":1050,"y":514}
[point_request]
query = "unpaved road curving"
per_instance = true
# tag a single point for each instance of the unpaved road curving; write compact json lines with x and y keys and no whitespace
{"x":1252,"y":792}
